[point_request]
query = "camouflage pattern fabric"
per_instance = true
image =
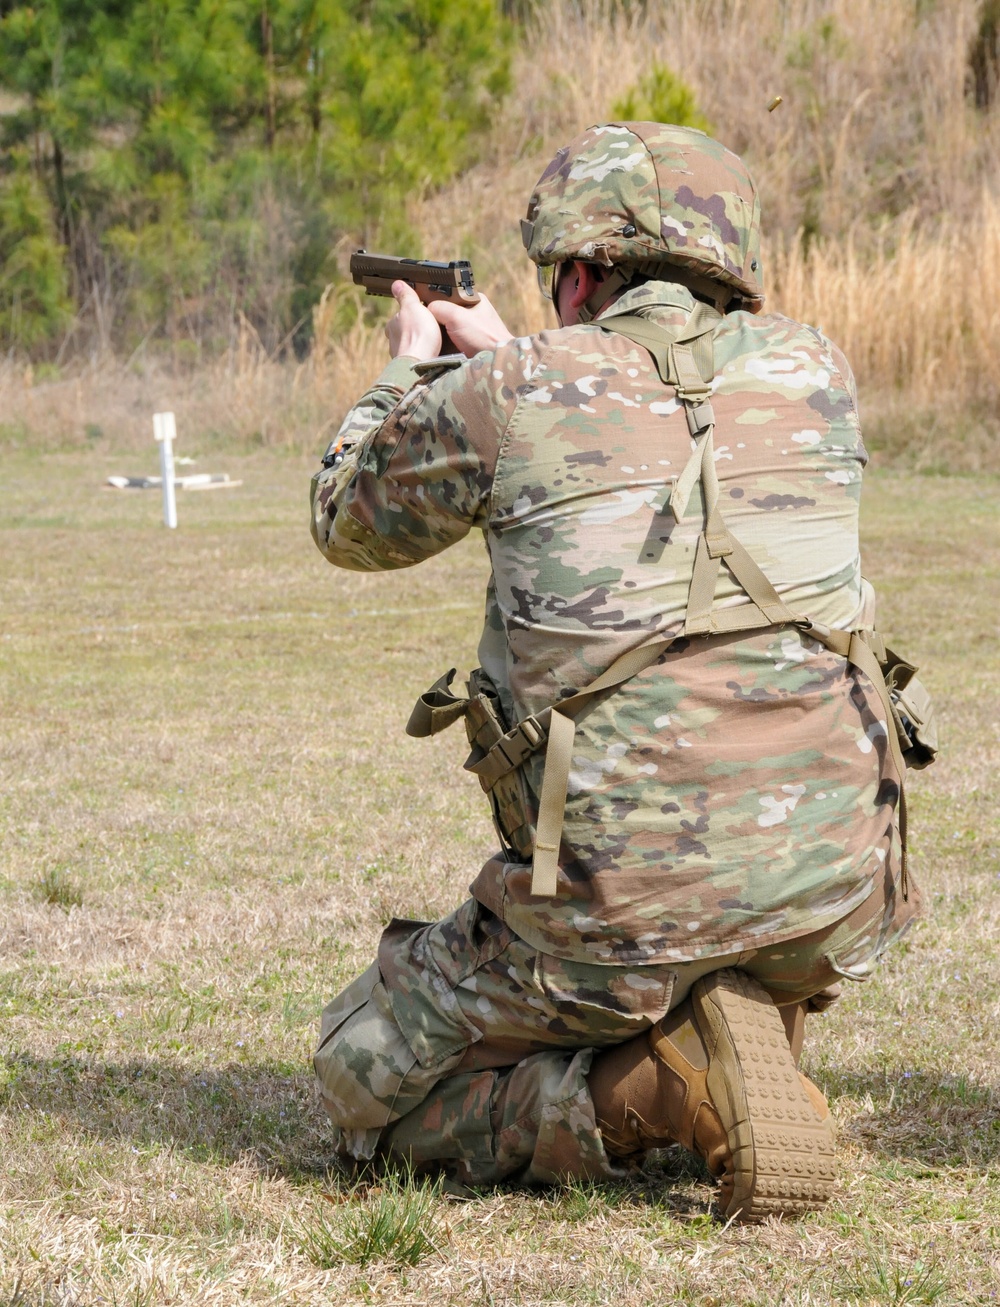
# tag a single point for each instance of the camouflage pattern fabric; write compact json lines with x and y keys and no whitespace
{"x":736,"y":794}
{"x":465,"y":1046}
{"x":628,"y":193}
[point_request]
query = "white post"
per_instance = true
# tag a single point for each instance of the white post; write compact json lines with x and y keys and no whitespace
{"x":165,"y":432}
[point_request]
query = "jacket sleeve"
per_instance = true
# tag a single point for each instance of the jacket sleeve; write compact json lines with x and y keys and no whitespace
{"x":419,"y":452}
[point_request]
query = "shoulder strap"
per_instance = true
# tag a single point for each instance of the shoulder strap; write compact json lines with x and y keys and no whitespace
{"x":657,"y":339}
{"x":559,"y":756}
{"x":685,"y":360}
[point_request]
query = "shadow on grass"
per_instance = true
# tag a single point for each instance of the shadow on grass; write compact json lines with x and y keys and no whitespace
{"x":264,"y":1112}
{"x":267,"y":1113}
{"x":915,"y":1113}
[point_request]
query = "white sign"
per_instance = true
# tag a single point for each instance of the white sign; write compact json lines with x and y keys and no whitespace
{"x":165,"y":431}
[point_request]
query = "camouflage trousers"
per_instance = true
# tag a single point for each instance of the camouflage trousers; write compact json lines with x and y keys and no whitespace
{"x":465,"y":1046}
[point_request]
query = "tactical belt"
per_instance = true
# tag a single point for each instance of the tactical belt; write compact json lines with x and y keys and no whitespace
{"x":684,"y":361}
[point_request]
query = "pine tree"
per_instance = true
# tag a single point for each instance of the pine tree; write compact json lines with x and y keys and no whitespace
{"x":202,"y":156}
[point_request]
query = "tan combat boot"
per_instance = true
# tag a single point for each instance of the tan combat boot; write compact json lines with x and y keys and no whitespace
{"x":717,"y":1076}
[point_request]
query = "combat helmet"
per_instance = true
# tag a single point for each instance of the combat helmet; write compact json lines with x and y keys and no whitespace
{"x":636,"y":196}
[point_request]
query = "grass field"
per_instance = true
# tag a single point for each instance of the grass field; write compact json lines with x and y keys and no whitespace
{"x":209,"y":809}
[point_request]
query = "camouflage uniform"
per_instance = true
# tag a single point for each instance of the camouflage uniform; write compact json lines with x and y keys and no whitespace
{"x":735,"y":800}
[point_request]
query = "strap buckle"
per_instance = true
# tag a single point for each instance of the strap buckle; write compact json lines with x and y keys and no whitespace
{"x":532,"y":730}
{"x":522,"y":740}
{"x":700,"y":415}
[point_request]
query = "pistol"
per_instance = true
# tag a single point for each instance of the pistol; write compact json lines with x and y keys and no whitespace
{"x":432,"y":281}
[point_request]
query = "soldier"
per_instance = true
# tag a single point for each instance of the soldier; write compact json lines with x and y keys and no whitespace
{"x":679,"y":719}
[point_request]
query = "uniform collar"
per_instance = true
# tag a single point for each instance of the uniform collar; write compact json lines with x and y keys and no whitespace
{"x":652,"y":295}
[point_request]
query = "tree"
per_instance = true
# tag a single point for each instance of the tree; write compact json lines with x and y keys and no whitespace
{"x":203,"y":156}
{"x":661,"y":97}
{"x":33,"y":299}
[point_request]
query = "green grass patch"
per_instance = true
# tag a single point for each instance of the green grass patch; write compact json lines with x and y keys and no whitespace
{"x":393,"y":1221}
{"x":59,"y":887}
{"x":877,"y":1276}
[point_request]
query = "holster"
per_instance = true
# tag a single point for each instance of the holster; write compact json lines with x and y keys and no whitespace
{"x":485,"y":726}
{"x":912,"y":710}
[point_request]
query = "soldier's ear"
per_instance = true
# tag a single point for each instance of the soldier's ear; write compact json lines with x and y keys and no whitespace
{"x":586,"y":280}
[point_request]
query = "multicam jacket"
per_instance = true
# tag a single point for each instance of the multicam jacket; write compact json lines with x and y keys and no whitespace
{"x":738,"y":792}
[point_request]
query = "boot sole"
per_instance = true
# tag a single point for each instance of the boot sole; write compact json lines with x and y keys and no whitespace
{"x":783,"y":1152}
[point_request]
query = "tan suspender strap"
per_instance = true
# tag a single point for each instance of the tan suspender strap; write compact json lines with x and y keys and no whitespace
{"x":531,"y":733}
{"x":701,"y":592}
{"x":552,"y":806}
{"x":626,"y":666}
{"x":757,"y":586}
{"x":697,"y":330}
{"x":765,"y":609}
{"x":559,"y":758}
{"x":716,"y":542}
{"x":692,"y":387}
{"x":649,"y":335}
{"x":838,"y":641}
{"x":680,"y":495}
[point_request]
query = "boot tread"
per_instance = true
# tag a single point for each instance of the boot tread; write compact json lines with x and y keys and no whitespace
{"x":783,"y":1152}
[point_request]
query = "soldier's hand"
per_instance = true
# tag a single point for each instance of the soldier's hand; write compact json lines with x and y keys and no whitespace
{"x":413,"y":331}
{"x":471,"y":328}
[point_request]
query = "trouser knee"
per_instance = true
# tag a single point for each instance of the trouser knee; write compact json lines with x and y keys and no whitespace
{"x":364,"y":1064}
{"x":368,"y":1074}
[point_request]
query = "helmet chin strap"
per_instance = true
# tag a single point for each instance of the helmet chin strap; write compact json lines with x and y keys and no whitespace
{"x":613,"y":283}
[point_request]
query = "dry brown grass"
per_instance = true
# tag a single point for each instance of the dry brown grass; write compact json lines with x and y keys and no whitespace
{"x":203,"y":748}
{"x":875,"y":120}
{"x":917,"y":315}
{"x":244,"y":397}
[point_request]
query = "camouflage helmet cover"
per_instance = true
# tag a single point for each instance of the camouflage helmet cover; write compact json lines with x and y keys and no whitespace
{"x":629,"y":193}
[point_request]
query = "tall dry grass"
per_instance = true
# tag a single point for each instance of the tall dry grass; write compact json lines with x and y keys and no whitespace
{"x":878,"y":179}
{"x":916,"y":312}
{"x":245,"y":397}
{"x":876,"y":118}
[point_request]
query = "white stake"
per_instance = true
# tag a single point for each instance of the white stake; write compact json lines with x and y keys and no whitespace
{"x":165,"y":432}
